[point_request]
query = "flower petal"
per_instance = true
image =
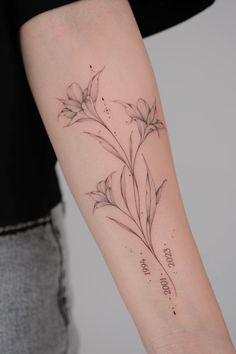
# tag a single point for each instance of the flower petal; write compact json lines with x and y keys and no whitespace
{"x":130,"y":109}
{"x":109,"y":192}
{"x":100,"y":205}
{"x":82,"y":114}
{"x":97,"y":196}
{"x":151,"y":115}
{"x":159,"y":124}
{"x":150,"y":128}
{"x":74,"y":92}
{"x":108,"y":180}
{"x":72,"y":107}
{"x":90,"y":106}
{"x":85,"y":94}
{"x":143,"y":108}
{"x":67,"y":113}
{"x":101,"y":186}
{"x":79,"y":117}
{"x":61,"y":112}
{"x":70,"y":102}
{"x":141,"y":125}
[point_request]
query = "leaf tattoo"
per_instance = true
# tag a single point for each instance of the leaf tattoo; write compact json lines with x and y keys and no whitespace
{"x":159,"y":191}
{"x":80,"y":105}
{"x":106,"y":145}
{"x":152,"y":195}
{"x":124,"y":226}
{"x":123,"y":185}
{"x":130,"y":148}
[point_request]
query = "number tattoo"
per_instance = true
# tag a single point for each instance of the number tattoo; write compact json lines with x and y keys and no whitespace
{"x":144,"y":266}
{"x":169,"y":257}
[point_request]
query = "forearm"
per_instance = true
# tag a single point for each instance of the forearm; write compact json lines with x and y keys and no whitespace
{"x":140,"y":224}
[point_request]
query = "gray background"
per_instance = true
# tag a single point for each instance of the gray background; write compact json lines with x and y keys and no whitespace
{"x":194,"y":63}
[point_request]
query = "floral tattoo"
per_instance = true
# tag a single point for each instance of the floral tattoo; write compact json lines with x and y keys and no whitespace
{"x":80,"y":106}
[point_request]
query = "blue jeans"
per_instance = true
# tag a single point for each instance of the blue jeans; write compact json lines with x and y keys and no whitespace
{"x":35,"y":316}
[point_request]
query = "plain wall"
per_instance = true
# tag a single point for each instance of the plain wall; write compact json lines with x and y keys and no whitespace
{"x":194,"y":63}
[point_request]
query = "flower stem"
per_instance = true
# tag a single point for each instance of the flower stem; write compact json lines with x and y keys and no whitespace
{"x":128,"y":163}
{"x":135,"y":187}
{"x":167,"y":274}
{"x":131,"y":217}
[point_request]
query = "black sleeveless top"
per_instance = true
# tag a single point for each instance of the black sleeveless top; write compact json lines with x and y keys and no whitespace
{"x":29,"y":185}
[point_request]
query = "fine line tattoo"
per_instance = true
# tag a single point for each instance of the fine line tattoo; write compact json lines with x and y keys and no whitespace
{"x":79,"y":106}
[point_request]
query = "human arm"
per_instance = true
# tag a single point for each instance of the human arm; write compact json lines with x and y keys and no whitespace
{"x":179,"y":311}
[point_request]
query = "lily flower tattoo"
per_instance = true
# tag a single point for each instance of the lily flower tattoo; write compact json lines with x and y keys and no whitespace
{"x":145,"y":116}
{"x":79,"y":106}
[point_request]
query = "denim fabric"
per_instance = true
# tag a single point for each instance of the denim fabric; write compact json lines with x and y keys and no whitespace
{"x":35,"y":303}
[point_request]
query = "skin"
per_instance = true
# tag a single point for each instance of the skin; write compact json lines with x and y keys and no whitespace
{"x":72,"y":44}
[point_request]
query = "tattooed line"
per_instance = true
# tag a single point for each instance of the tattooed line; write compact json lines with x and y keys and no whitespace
{"x":80,"y":106}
